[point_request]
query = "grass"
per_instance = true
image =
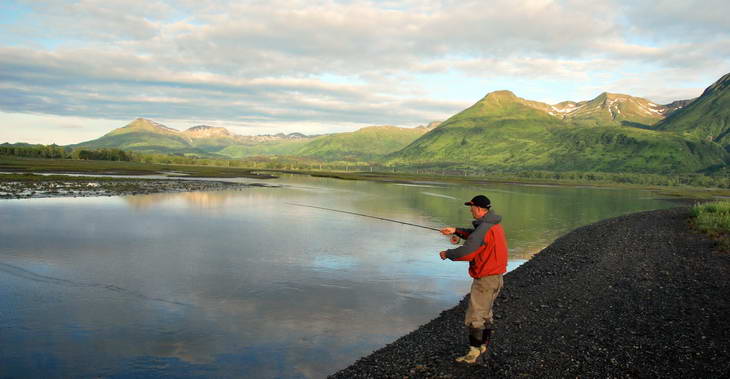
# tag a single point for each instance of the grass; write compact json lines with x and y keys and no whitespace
{"x":714,"y":219}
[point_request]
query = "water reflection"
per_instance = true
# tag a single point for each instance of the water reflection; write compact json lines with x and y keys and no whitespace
{"x":203,"y":200}
{"x":232,"y":284}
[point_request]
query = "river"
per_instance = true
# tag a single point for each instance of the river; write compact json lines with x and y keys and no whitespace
{"x":246,"y":283}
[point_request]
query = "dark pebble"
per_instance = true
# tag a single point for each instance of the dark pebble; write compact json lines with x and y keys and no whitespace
{"x":635,"y":296}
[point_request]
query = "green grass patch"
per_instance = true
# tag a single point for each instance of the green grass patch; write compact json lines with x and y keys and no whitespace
{"x":714,"y":220}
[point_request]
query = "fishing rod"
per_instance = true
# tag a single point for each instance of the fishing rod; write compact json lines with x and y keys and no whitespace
{"x":454,"y":238}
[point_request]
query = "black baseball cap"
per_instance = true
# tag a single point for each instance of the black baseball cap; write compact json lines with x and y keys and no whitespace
{"x":480,"y":201}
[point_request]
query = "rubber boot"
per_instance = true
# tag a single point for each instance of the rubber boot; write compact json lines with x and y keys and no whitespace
{"x":476,"y":346}
{"x":486,"y":339}
{"x":471,"y":356}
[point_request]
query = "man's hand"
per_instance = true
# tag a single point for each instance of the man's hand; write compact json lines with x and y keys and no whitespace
{"x":448,"y":231}
{"x":442,"y":255}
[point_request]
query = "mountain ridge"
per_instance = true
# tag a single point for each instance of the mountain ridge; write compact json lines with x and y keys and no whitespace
{"x":707,"y":117}
{"x":610,"y":132}
{"x":145,"y":135}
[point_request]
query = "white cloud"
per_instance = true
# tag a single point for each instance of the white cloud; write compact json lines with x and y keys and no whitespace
{"x":269,"y":62}
{"x":664,"y":20}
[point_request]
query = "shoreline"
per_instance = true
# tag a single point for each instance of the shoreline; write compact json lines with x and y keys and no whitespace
{"x":633,"y":296}
{"x":682,"y":193}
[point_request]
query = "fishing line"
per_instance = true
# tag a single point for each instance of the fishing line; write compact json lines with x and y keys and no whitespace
{"x":364,"y":215}
{"x":454,"y":239}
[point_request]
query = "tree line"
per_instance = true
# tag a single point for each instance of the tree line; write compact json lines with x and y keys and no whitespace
{"x":60,"y":152}
{"x":300,"y":164}
{"x":34,"y":151}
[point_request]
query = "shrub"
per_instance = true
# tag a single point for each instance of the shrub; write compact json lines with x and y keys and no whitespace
{"x":714,"y":219}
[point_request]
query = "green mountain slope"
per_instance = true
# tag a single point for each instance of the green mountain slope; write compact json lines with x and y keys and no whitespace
{"x":708,"y":117}
{"x":628,"y":149}
{"x":368,"y":143}
{"x":256,"y":148}
{"x":503,"y":131}
{"x":486,"y":132}
{"x":145,"y":136}
{"x":148,"y":136}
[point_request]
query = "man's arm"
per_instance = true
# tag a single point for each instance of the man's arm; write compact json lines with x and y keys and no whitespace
{"x":463,"y":233}
{"x":472,"y":244}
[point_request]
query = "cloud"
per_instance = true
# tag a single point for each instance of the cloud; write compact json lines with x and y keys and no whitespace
{"x":99,"y":20}
{"x":71,"y":82}
{"x":274,"y":62}
{"x":667,"y":20}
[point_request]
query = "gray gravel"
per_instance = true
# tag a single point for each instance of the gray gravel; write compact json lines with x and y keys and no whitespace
{"x":635,"y":296}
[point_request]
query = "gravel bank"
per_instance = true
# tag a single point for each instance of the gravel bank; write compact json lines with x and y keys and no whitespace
{"x":634,"y":296}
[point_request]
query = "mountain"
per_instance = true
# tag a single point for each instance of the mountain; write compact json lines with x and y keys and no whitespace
{"x":364,"y":144}
{"x":209,"y":138}
{"x":264,"y":145}
{"x":707,"y":117}
{"x":611,"y":132}
{"x":676,"y":105}
{"x":205,"y":131}
{"x":505,"y":132}
{"x":611,"y":108}
{"x":148,"y":136}
{"x":145,"y":136}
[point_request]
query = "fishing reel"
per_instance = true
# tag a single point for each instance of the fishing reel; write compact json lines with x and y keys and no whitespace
{"x":454,"y":239}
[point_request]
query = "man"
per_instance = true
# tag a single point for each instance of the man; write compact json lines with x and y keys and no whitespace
{"x":486,"y":251}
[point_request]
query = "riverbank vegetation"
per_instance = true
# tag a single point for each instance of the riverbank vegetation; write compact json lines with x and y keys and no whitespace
{"x":714,"y":219}
{"x":56,"y":159}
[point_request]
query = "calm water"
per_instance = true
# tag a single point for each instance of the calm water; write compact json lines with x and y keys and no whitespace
{"x":244,"y":284}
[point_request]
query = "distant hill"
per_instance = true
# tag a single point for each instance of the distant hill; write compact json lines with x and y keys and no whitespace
{"x":370,"y":143}
{"x":707,"y":117}
{"x":255,"y":147}
{"x":209,"y":138}
{"x":612,"y":109}
{"x":367,"y":144}
{"x":503,"y":131}
{"x":144,"y":135}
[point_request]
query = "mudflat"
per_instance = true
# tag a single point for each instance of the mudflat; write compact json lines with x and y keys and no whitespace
{"x":60,"y":186}
{"x":640,"y":295}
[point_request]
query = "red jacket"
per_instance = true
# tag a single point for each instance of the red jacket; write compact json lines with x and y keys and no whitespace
{"x":485,"y":248}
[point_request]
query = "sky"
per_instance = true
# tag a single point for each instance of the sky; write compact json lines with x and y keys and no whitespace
{"x":71,"y":71}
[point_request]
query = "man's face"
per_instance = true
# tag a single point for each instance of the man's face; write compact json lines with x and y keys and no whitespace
{"x":477,"y":212}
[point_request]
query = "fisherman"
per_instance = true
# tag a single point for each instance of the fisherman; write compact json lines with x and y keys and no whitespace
{"x":486,"y":251}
